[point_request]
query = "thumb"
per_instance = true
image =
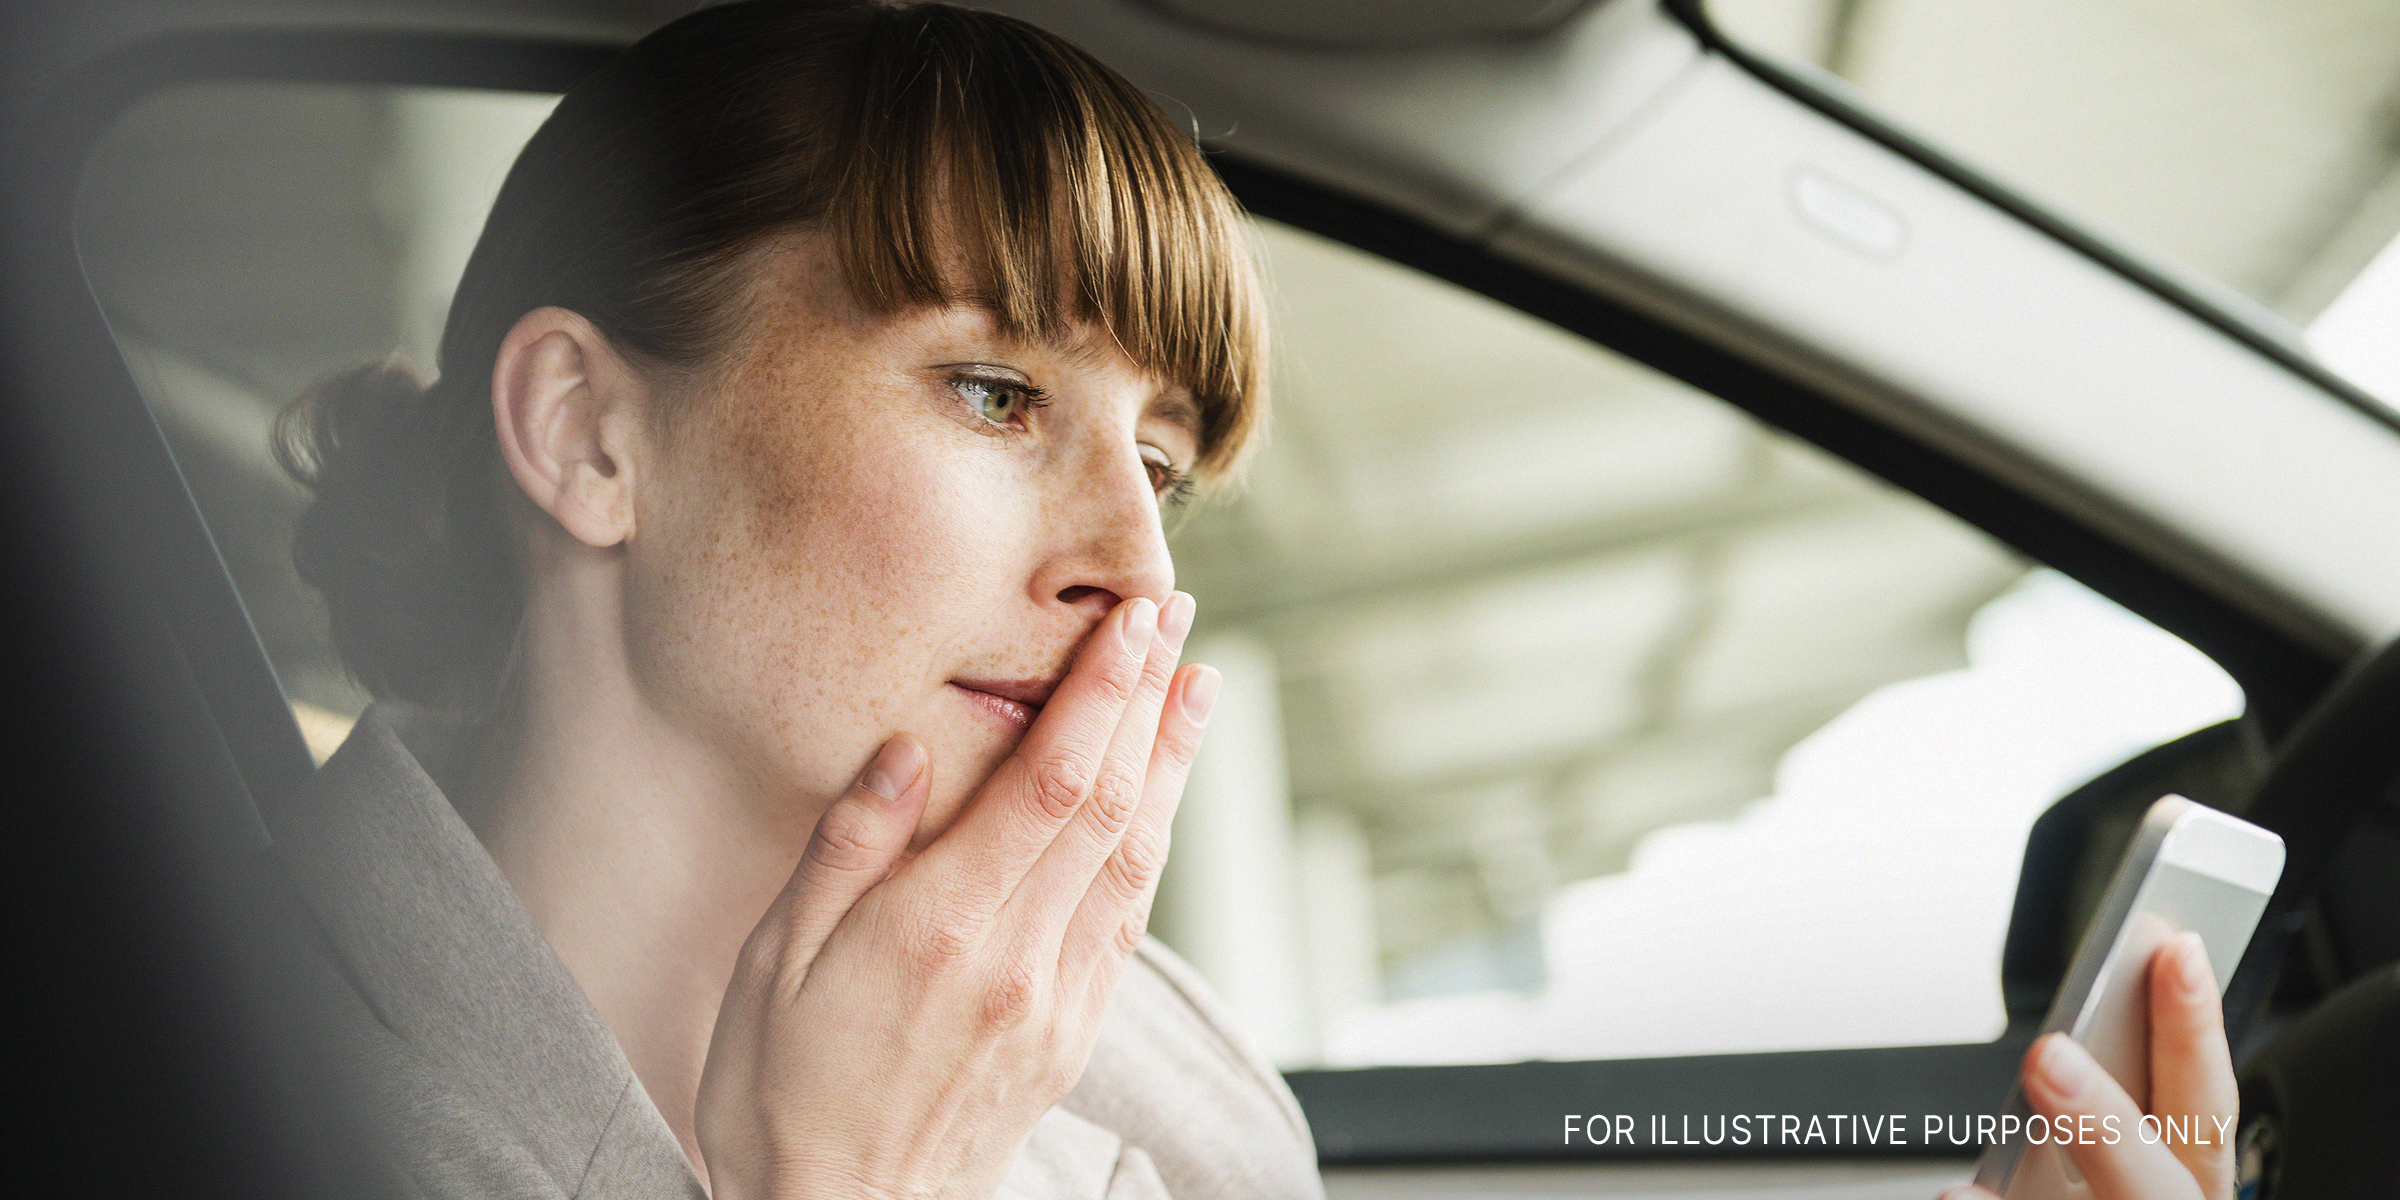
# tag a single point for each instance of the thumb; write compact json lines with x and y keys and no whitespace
{"x":856,"y":845}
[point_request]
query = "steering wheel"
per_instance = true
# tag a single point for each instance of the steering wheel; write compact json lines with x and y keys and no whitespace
{"x":2321,"y":1097}
{"x":2340,"y":763}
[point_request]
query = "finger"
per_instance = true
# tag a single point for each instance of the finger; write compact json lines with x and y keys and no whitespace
{"x":1966,"y":1191}
{"x":856,"y":844}
{"x":1053,"y":891}
{"x":978,"y":862}
{"x":2064,"y":1083}
{"x":2191,"y":1068}
{"x":1116,"y":910}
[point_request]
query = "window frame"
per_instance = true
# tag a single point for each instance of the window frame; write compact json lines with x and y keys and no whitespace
{"x":1503,"y":1112}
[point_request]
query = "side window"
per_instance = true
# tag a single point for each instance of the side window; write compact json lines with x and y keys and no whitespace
{"x":245,"y":238}
{"x":1577,"y":715}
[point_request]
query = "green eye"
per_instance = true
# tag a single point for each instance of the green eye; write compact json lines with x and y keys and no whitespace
{"x":999,"y":401}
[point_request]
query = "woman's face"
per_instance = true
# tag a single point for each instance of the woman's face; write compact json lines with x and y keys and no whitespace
{"x":863,"y":526}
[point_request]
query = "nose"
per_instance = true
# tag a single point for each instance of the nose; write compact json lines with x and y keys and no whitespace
{"x":1105,"y":543}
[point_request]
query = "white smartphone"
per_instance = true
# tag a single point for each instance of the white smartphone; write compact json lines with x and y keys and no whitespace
{"x":2189,"y":867}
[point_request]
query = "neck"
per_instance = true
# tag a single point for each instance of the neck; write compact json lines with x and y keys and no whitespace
{"x":642,"y":856}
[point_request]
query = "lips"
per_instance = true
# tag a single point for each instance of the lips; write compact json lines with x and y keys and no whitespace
{"x":1013,"y":702}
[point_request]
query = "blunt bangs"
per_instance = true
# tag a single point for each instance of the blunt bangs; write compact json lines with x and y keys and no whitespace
{"x":1068,"y":195}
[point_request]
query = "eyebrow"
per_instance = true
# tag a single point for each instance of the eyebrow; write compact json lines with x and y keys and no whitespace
{"x":1177,"y":409}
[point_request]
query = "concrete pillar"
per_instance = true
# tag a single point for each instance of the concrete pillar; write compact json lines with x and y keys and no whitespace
{"x":1229,"y":901}
{"x":1337,"y":901}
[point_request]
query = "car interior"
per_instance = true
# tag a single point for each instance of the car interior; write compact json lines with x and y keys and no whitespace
{"x":1729,"y":571}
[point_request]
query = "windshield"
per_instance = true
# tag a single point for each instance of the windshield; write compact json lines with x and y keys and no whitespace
{"x":2258,"y":144}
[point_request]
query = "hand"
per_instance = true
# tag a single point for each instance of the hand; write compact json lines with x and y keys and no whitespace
{"x":895,"y":1028}
{"x":2191,"y":1075}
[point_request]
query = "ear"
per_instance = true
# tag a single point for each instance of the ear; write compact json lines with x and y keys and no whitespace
{"x":567,"y":409}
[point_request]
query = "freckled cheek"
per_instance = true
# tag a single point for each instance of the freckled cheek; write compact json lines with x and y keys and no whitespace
{"x":831,"y":565}
{"x":935,"y":550}
{"x":841,"y":586}
{"x":933,"y":520}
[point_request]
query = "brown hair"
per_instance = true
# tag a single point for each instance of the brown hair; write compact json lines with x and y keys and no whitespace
{"x":900,"y":132}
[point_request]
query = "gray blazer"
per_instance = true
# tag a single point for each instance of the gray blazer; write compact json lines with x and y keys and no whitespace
{"x":490,"y":1075}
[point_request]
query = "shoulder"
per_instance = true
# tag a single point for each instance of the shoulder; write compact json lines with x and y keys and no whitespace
{"x":477,"y":1066}
{"x":1172,"y":1075}
{"x":437,"y":1137}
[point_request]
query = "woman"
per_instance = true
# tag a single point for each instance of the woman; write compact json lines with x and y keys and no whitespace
{"x":777,"y":642}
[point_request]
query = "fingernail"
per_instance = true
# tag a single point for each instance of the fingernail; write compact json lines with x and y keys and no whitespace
{"x":1141,"y":621}
{"x":1200,"y":695}
{"x":2064,"y":1066}
{"x":894,"y":766}
{"x":1175,"y":620}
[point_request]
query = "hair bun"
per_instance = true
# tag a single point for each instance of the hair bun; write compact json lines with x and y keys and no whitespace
{"x":413,"y":597}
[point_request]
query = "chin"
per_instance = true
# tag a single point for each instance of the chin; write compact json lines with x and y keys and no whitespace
{"x":964,"y":756}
